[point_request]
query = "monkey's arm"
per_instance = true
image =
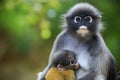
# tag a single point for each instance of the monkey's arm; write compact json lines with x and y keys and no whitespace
{"x":106,"y":61}
{"x":112,"y":69}
{"x":109,"y":60}
{"x":41,"y":75}
{"x":56,"y":46}
{"x":102,"y":66}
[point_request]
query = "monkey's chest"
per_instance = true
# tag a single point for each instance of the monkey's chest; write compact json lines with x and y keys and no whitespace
{"x":81,"y":51}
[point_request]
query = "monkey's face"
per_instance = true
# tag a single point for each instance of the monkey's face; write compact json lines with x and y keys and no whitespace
{"x":67,"y":60}
{"x":82,"y":20}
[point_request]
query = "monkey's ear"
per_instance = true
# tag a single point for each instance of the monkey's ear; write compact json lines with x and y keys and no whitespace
{"x":99,"y":16}
{"x":63,"y":16}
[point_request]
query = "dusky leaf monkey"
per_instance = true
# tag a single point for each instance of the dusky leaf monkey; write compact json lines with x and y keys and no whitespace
{"x":81,"y":35}
{"x":63,"y":66}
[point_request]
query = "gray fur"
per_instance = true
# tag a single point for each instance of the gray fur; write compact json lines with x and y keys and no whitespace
{"x":83,"y":6}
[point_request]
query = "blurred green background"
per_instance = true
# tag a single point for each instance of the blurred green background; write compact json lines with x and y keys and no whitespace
{"x":28,"y":29}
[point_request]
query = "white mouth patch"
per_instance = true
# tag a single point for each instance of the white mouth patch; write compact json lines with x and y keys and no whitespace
{"x":83,"y":31}
{"x":83,"y":28}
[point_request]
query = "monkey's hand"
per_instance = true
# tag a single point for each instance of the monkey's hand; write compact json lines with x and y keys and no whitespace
{"x":100,"y":77}
{"x":39,"y":75}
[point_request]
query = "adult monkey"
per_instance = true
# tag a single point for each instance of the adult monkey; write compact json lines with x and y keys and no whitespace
{"x":82,"y":36}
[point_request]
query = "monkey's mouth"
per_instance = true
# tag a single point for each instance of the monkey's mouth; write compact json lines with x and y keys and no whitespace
{"x":82,"y":28}
{"x":83,"y":31}
{"x":76,"y":66}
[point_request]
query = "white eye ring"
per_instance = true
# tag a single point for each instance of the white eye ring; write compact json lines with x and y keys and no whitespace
{"x":77,"y":19}
{"x":89,"y":19}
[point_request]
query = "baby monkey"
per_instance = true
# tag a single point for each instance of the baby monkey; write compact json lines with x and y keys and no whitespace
{"x":64,"y":64}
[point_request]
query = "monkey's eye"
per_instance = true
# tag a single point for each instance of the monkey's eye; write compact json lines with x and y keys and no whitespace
{"x":88,"y":19}
{"x":77,"y":19}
